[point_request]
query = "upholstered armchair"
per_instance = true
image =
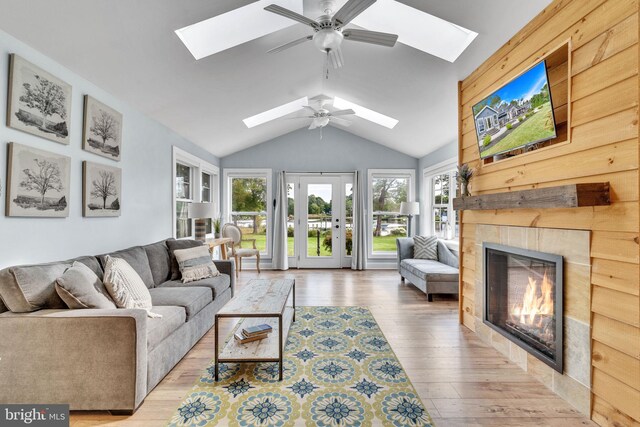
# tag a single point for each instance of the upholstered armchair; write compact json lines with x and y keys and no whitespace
{"x":237,"y":251}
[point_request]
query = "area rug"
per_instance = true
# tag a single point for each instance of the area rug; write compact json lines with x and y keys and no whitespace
{"x":339,"y":371}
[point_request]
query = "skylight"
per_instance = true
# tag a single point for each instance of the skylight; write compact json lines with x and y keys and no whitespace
{"x":365,"y":113}
{"x":417,"y":29}
{"x":276,"y":113}
{"x":233,"y":28}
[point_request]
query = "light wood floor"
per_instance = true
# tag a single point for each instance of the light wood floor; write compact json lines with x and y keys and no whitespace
{"x":462,"y":381}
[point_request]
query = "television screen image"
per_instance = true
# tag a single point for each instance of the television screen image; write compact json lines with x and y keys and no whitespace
{"x":518,"y":114}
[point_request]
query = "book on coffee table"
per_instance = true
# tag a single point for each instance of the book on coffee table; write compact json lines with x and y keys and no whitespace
{"x":256,"y":330}
{"x":243,"y":340}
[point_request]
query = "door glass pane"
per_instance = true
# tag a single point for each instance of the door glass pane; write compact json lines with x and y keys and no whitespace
{"x":183,"y":182}
{"x":249,"y":209}
{"x":388,"y":225}
{"x":183,"y":223}
{"x":319,"y":215}
{"x":291,"y":219}
{"x":348,"y":209}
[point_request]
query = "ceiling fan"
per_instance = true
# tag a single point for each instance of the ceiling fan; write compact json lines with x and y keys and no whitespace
{"x":321,"y":117}
{"x":329,"y":30}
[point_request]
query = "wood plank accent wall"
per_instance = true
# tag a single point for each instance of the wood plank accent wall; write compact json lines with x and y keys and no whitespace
{"x":603,"y":147}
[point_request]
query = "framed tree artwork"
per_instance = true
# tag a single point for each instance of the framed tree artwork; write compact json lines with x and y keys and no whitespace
{"x":38,"y":102}
{"x":102,"y":129}
{"x":101,"y":190}
{"x":37,"y":182}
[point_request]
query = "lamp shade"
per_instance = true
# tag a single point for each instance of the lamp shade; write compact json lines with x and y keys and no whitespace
{"x":201,"y":210}
{"x":409,"y":208}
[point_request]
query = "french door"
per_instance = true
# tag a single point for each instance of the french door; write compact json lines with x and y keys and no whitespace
{"x":322,"y":220}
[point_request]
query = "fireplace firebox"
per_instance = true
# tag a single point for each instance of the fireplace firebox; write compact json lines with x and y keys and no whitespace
{"x":523,"y":299}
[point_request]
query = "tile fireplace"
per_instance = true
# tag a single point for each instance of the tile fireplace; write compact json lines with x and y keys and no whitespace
{"x":523,"y":299}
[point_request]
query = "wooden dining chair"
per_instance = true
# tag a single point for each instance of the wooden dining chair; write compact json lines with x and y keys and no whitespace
{"x":237,"y":251}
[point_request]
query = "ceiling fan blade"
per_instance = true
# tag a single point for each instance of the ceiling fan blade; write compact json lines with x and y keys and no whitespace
{"x":372,"y":37}
{"x":279,"y":10}
{"x":290,"y":44}
{"x":339,"y":121}
{"x":308,"y":107}
{"x":342,"y":112}
{"x":300,"y":117}
{"x":349,"y":11}
{"x":335,"y":56}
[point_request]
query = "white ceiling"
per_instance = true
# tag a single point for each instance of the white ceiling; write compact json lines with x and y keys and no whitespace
{"x":129,"y":48}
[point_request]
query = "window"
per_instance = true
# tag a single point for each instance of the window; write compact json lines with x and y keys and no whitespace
{"x":184,"y":196}
{"x":207,"y":195}
{"x":440,"y":186}
{"x":195,"y":181}
{"x":387,"y":190}
{"x":248,"y":204}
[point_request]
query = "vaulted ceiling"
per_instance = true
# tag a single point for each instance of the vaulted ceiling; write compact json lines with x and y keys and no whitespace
{"x":129,"y":48}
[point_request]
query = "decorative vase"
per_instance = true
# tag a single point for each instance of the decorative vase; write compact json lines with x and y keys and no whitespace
{"x":464,"y":189}
{"x":216,"y":234}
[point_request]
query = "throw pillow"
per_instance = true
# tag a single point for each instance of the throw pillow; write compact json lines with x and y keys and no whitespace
{"x":80,"y":287}
{"x":174,"y":245}
{"x":125,"y":286}
{"x":195,"y":264}
{"x":425,"y":247}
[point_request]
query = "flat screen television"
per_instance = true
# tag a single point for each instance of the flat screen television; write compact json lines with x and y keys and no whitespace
{"x":517,"y":115}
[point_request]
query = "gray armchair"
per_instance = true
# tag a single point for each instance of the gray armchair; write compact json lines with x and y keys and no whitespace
{"x":430,"y":276}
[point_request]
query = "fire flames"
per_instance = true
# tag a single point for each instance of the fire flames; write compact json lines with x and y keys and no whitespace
{"x":535,"y":309}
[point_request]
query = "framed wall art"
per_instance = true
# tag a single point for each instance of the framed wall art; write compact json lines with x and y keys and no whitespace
{"x":38,"y":103}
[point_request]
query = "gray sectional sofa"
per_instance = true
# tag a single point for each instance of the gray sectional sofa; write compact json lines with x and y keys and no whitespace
{"x":96,"y":359}
{"x":430,"y":276}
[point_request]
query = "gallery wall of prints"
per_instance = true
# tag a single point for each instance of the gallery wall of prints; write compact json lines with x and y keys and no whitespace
{"x":38,"y":181}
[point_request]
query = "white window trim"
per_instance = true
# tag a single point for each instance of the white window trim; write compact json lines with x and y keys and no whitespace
{"x":411,"y":197}
{"x":198,"y":166}
{"x":250,"y":173}
{"x":427,"y":208}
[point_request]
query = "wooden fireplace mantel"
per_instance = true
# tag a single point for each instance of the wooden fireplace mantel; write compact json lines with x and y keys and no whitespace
{"x":564,"y":196}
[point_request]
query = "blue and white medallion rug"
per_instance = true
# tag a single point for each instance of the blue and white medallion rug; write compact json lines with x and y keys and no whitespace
{"x":339,"y":371}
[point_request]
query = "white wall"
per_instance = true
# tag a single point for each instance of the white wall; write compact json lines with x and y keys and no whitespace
{"x":146,"y":177}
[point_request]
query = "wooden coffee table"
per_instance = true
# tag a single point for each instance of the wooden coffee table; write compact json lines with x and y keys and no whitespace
{"x":260,"y":301}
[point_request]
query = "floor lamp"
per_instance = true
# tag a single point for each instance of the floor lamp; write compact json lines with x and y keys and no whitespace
{"x":409,"y":209}
{"x":201,"y":212}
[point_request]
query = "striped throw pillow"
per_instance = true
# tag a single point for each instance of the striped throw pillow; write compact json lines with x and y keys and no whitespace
{"x":195,"y":263}
{"x":425,"y":247}
{"x":126,"y":286}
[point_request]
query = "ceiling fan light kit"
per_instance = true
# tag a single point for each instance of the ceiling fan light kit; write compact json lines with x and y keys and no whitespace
{"x":329,"y":30}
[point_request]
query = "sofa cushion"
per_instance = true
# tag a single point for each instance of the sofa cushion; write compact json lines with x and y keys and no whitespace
{"x":192,"y":299}
{"x":31,"y":287}
{"x":91,"y":262}
{"x":160,"y":328}
{"x":430,"y":271}
{"x":159,"y":261}
{"x":125,"y":286}
{"x":425,"y":247}
{"x":217,"y":284}
{"x":80,"y":287}
{"x":137,"y":258}
{"x":179,"y":244}
{"x":195,"y":264}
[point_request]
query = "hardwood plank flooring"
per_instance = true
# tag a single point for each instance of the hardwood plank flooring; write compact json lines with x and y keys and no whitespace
{"x":462,"y":381}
